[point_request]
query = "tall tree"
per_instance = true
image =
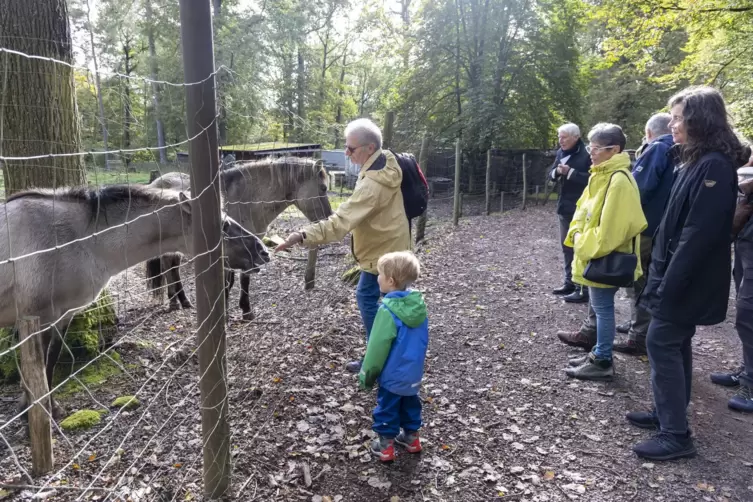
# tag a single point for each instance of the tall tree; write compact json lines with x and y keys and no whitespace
{"x":38,"y":114}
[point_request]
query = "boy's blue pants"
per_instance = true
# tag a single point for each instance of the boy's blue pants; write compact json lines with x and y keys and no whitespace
{"x":394,"y":411}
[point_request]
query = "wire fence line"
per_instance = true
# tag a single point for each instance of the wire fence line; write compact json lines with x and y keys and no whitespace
{"x":137,"y":448}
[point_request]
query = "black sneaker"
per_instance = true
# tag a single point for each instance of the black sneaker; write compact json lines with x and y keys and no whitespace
{"x":566,"y":289}
{"x":728,"y":379}
{"x":624,"y":328}
{"x":592,"y":369}
{"x":666,"y":446}
{"x":643,"y":419}
{"x":580,"y":295}
{"x":630,"y":347}
{"x":743,"y":400}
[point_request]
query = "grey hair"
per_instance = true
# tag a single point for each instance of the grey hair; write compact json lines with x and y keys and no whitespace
{"x":658,"y":124}
{"x":366,"y":130}
{"x":570,"y":129}
{"x":605,"y":134}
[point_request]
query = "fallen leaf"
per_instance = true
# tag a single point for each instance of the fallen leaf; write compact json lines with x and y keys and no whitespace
{"x":517,"y":469}
{"x":177,"y":466}
{"x":92,"y":457}
{"x":378,"y":483}
{"x":648,"y":466}
{"x":549,"y":475}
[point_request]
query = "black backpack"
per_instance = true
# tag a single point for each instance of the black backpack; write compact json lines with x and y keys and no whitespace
{"x":414,"y":187}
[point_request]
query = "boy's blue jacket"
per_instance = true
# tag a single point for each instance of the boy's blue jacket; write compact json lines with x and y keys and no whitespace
{"x":397,"y":345}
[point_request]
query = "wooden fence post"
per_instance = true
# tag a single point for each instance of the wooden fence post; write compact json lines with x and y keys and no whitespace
{"x":389,"y":128}
{"x":34,"y":382}
{"x":203,"y":153}
{"x":423,"y":163}
{"x":537,"y":195}
{"x":310,"y":275}
{"x":502,"y":202}
{"x":456,"y":194}
{"x":525,"y":182}
{"x":153,"y":175}
{"x":488,"y":181}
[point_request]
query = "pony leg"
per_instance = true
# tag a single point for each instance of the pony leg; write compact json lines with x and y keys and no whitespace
{"x":176,"y":286}
{"x":229,"y":281}
{"x":52,"y":344}
{"x":53,"y":354}
{"x":245,"y":302}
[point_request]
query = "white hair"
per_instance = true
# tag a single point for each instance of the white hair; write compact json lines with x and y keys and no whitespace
{"x":570,"y":129}
{"x":659,"y":124}
{"x":366,"y":130}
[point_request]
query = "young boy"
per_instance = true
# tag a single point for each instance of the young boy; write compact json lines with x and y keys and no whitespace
{"x":395,"y":356}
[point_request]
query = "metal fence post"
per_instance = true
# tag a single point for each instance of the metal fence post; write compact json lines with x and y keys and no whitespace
{"x":423,"y":164}
{"x":201,"y":110}
{"x":456,"y":194}
{"x":488,"y":181}
{"x":525,"y":182}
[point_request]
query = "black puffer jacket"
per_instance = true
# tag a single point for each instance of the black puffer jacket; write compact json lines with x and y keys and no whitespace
{"x":576,"y":181}
{"x":689,"y":275}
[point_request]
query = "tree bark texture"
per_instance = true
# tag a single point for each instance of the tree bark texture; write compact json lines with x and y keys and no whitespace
{"x":37,"y":103}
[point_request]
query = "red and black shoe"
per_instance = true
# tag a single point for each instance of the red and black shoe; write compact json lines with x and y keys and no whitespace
{"x":384,"y":449}
{"x":410,"y":441}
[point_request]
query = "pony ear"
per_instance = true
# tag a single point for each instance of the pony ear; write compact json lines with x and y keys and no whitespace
{"x":185,"y":207}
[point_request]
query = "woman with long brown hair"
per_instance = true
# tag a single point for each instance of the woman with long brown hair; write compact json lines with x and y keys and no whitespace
{"x":689,"y":275}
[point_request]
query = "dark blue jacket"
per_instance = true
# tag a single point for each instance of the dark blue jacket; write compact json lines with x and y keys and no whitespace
{"x":654,"y":173}
{"x":689,"y":276}
{"x":576,"y":181}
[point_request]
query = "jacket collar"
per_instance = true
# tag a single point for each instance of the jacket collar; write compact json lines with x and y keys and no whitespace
{"x":618,"y":161}
{"x":366,"y":165}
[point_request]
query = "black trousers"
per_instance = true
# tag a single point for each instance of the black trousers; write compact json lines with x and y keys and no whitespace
{"x":567,"y":252}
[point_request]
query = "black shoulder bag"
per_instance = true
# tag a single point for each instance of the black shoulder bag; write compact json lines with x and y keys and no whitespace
{"x":615,"y":269}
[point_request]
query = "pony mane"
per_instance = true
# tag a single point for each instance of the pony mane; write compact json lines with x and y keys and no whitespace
{"x":98,"y":199}
{"x":286,"y":170}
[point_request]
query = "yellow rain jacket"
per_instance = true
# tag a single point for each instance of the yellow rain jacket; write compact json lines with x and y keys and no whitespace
{"x":620,"y":222}
{"x":374,"y":214}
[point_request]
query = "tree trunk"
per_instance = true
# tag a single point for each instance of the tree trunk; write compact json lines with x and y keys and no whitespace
{"x":127,"y":107}
{"x":153,"y":77}
{"x":41,"y":116}
{"x":98,"y":84}
{"x":340,"y":92}
{"x":301,"y":91}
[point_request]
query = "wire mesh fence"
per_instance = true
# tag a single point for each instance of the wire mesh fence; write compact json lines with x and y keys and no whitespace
{"x":122,"y":405}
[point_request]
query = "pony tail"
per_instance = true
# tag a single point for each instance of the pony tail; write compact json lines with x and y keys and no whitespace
{"x":155,"y":278}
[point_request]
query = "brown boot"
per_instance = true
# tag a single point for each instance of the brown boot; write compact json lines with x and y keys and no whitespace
{"x":631,"y":347}
{"x":576,"y":339}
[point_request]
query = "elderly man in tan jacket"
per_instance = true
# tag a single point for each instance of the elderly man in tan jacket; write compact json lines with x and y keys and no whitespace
{"x":374,"y":214}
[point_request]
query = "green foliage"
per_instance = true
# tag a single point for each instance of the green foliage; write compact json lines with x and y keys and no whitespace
{"x":8,"y":362}
{"x":80,"y":420}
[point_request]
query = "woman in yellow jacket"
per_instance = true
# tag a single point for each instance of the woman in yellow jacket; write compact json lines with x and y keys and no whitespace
{"x":608,"y":217}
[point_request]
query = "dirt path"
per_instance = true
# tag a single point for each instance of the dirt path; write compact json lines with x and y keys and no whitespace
{"x":502,"y":420}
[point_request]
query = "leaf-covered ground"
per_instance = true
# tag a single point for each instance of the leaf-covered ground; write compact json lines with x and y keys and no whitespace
{"x":502,"y":420}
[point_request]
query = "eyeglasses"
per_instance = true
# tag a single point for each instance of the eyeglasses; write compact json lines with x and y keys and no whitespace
{"x":352,"y":149}
{"x":590,"y":148}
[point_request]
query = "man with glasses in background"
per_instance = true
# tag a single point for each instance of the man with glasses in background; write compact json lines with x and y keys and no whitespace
{"x":374,"y":213}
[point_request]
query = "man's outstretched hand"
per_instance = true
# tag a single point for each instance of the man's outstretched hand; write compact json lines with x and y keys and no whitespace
{"x":292,"y":240}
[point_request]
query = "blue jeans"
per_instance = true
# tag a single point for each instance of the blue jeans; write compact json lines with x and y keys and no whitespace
{"x":367,"y":296}
{"x":602,"y":301}
{"x":394,"y":411}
